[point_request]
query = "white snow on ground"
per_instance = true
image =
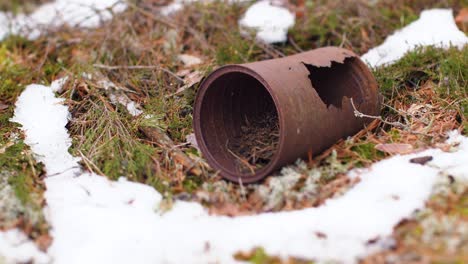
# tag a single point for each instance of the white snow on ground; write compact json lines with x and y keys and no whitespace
{"x":178,"y":5}
{"x":82,"y":13}
{"x":271,"y":22}
{"x":175,"y":6}
{"x":15,"y":247}
{"x":95,"y":220}
{"x":435,"y":27}
{"x":53,"y":152}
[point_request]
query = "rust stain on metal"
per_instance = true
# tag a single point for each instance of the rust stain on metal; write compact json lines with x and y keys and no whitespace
{"x":251,"y":119}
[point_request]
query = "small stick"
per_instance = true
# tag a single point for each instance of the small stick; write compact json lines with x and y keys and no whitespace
{"x":294,"y":44}
{"x":242,"y":189}
{"x":246,"y":163}
{"x":361,"y":115}
{"x":159,"y":137}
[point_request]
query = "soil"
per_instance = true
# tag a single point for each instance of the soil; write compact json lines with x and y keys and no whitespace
{"x":257,"y":143}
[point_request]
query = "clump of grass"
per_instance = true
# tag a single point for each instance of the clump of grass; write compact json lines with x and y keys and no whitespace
{"x":107,"y":141}
{"x":404,"y":82}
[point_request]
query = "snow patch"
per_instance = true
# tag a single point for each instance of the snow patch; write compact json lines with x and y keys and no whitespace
{"x":74,"y":13}
{"x":15,"y":247}
{"x":58,"y":84}
{"x":178,"y":5}
{"x":95,"y":220}
{"x":435,"y":27}
{"x":271,"y":22}
{"x":43,"y":118}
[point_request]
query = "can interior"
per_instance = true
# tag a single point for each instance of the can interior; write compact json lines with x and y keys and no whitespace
{"x":337,"y":81}
{"x":239,"y":123}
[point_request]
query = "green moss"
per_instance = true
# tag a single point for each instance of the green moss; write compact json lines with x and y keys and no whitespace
{"x":367,"y":152}
{"x":192,"y":183}
{"x":22,"y":178}
{"x":394,"y":134}
{"x":234,"y":50}
{"x":21,"y":184}
{"x":259,"y":257}
{"x":12,"y":76}
{"x":448,"y":68}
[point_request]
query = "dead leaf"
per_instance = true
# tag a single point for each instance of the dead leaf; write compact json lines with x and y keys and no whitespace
{"x":365,"y":35}
{"x":183,"y":72}
{"x":373,"y":240}
{"x":462,"y":19}
{"x":190,"y":80}
{"x":189,"y":60}
{"x":321,"y":235}
{"x":44,"y":241}
{"x":228,"y":209}
{"x":192,"y":140}
{"x":462,"y":15}
{"x":395,"y":148}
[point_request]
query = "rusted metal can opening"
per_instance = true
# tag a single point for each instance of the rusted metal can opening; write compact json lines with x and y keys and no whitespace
{"x":253,"y":118}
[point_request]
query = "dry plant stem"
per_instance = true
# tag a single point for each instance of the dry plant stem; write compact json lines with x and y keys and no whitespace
{"x":361,"y":115}
{"x":294,"y":44}
{"x":267,"y":48}
{"x":89,"y":164}
{"x":243,"y":161}
{"x":160,"y":138}
{"x":137,"y":67}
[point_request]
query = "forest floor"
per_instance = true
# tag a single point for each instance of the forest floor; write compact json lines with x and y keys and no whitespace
{"x":136,"y":57}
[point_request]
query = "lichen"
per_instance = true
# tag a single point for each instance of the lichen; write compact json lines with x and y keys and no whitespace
{"x":11,"y":207}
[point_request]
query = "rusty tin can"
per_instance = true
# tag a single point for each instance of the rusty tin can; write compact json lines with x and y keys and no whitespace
{"x":251,"y":119}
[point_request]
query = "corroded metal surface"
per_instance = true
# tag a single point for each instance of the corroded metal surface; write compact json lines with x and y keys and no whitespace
{"x":309,"y":92}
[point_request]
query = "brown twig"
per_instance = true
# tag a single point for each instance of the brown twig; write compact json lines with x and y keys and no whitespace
{"x":159,"y":137}
{"x":361,"y":115}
